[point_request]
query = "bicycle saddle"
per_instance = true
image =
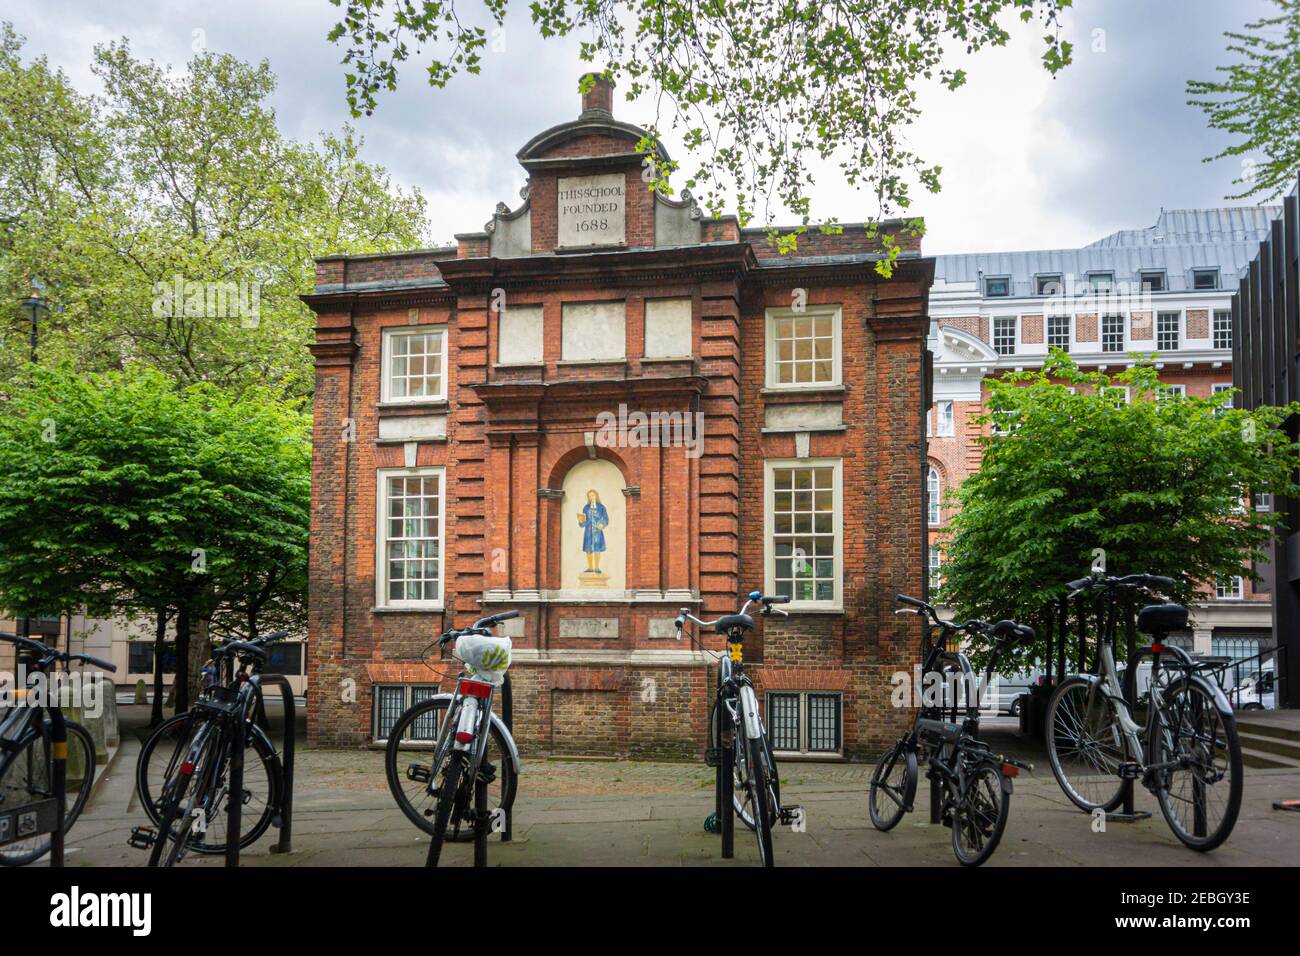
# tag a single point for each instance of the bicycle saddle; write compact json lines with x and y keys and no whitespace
{"x":1162,"y":618}
{"x":732,"y":621}
{"x":1020,"y":632}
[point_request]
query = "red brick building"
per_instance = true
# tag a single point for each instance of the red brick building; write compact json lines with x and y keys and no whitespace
{"x":602,"y":408}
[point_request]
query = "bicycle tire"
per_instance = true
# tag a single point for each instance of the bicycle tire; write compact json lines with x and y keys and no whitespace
{"x":1232,"y":768}
{"x":177,"y":729}
{"x":979,"y":816}
{"x":172,"y":829}
{"x":761,"y":797}
{"x":457,"y":764}
{"x":1067,"y":714}
{"x":401,"y":787}
{"x":12,"y":769}
{"x":898,"y":794}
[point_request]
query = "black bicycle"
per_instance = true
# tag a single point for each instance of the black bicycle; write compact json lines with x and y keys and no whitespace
{"x":738,"y":741}
{"x":28,"y":749}
{"x":1185,"y":750}
{"x":976,"y":782}
{"x":182,"y":775}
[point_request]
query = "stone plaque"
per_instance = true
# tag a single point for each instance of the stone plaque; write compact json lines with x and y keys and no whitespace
{"x":592,"y":211}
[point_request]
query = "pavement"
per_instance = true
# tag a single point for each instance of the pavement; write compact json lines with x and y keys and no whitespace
{"x":650,"y":813}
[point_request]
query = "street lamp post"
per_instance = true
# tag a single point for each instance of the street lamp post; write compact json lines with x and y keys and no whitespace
{"x":32,"y":307}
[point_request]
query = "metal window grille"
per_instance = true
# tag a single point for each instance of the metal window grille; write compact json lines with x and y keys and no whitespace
{"x":390,"y":701}
{"x":424,"y":727}
{"x":823,"y":723}
{"x":783,"y":721}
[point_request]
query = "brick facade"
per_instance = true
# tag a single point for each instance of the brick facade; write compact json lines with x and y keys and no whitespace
{"x":603,"y":673}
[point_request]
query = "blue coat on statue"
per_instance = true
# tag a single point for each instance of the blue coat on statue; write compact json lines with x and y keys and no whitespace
{"x":593,"y":529}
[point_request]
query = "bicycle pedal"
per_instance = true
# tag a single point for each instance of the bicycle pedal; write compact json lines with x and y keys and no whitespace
{"x":418,"y":772}
{"x":142,"y":838}
{"x":487,"y":772}
{"x":713,"y":757}
{"x":1129,"y":771}
{"x":791,"y":815}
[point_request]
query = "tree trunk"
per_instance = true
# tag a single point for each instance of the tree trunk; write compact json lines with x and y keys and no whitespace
{"x":181,"y":679}
{"x":200,"y":651}
{"x":159,"y":647}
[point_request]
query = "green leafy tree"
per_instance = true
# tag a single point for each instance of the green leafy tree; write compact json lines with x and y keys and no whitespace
{"x":170,"y":183}
{"x":1256,"y":100}
{"x":756,"y":89}
{"x":1158,"y":484}
{"x":123,"y":494}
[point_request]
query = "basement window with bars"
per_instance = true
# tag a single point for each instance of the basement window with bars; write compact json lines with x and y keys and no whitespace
{"x":805,"y":722}
{"x":393,"y":700}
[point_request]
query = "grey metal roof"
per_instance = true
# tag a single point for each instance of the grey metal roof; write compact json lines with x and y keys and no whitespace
{"x":1180,"y":241}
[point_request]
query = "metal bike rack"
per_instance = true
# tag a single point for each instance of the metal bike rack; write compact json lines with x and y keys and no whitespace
{"x":508,"y":718}
{"x":235,"y":807}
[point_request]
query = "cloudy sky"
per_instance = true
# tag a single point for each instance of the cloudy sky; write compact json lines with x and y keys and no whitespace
{"x":1028,"y":161}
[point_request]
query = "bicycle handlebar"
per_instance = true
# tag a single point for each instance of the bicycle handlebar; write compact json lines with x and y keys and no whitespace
{"x":482,"y":627}
{"x":49,"y":655}
{"x":1103,"y":582}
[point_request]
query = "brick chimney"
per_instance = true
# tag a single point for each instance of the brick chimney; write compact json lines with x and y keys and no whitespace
{"x":600,"y":96}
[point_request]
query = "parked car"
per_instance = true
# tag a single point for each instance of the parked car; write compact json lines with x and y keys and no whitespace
{"x":1258,"y":691}
{"x":1010,"y":688}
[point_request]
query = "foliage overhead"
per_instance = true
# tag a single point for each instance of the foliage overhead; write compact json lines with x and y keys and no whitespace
{"x":1159,"y":483}
{"x":1257,"y":101}
{"x":756,"y":89}
{"x":110,"y":200}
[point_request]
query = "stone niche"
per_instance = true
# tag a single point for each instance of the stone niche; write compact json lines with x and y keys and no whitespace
{"x":593,"y":529}
{"x":519,"y":335}
{"x":593,"y":332}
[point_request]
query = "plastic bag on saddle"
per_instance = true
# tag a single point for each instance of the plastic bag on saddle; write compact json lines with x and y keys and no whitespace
{"x":488,"y":658}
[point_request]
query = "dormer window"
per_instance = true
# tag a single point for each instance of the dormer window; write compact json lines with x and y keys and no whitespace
{"x":997,"y":287}
{"x":1204,"y":279}
{"x":1153,"y":280}
{"x":1101,"y":281}
{"x":1049,"y":284}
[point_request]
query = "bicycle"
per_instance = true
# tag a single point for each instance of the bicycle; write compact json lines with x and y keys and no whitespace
{"x":1188,"y":746}
{"x":977,"y":788}
{"x":452,"y":789}
{"x":182,"y":774}
{"x":28,"y":750}
{"x":750,"y":786}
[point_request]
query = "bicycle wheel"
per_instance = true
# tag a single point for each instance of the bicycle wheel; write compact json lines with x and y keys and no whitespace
{"x":449,"y":797}
{"x":893,"y":786}
{"x":760,"y":799}
{"x":1085,"y":745}
{"x":166,"y":748}
{"x":979,"y":814}
{"x":181,"y":795}
{"x":26,"y":777}
{"x":410,"y":750}
{"x":1201,"y":796}
{"x":742,"y":798}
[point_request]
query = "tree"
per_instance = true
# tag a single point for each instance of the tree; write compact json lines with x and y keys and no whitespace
{"x":756,"y":89}
{"x":170,"y":220}
{"x":124,"y":494}
{"x":1257,"y":102}
{"x":1156,"y":484}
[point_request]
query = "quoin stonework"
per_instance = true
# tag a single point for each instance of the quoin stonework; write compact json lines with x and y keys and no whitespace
{"x":601,"y":408}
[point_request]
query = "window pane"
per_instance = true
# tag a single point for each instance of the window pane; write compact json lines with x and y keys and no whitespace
{"x":413,"y":550}
{"x":391,"y":703}
{"x":804,"y":350}
{"x":803,"y":527}
{"x":415,"y":366}
{"x":823,"y":723}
